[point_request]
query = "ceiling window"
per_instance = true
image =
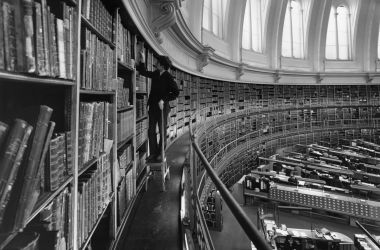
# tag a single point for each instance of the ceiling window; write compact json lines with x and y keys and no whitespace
{"x":253,"y":26}
{"x":293,"y":31}
{"x":214,"y":15}
{"x":338,"y":39}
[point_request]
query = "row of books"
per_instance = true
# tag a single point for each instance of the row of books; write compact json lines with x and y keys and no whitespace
{"x":125,"y":158}
{"x":125,"y":194}
{"x":124,"y":43}
{"x":336,"y":203}
{"x":53,"y":228}
{"x":141,"y":85}
{"x":141,"y":106}
{"x":94,"y":128}
{"x":97,"y":63}
{"x":95,"y":188}
{"x":97,"y":14}
{"x":141,"y":132}
{"x":124,"y":125}
{"x":36,"y":40}
{"x":140,"y":163}
{"x":122,"y":94}
{"x":59,"y":161}
{"x":23,"y":149}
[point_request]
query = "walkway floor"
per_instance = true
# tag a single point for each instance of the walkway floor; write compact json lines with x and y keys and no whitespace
{"x":155,"y":222}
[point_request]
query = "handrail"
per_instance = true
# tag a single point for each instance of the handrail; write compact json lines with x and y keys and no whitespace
{"x":370,"y":236}
{"x":240,"y":215}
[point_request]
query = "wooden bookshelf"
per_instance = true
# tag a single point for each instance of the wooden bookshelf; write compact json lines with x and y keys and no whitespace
{"x":122,"y":143}
{"x":141,"y":118}
{"x":125,"y":108}
{"x":96,"y":92}
{"x":46,"y":198}
{"x":85,"y":244}
{"x":89,"y":25}
{"x":32,"y":79}
{"x":263,"y":117}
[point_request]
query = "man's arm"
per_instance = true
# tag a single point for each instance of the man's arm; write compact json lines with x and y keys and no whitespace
{"x":142,"y":70}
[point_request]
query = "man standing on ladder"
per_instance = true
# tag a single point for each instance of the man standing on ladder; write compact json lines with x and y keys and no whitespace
{"x":163,"y":90}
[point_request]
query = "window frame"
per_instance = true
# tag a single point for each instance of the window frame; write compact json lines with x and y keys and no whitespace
{"x":222,"y":17}
{"x":291,"y":33}
{"x":334,"y":7}
{"x":261,"y":26}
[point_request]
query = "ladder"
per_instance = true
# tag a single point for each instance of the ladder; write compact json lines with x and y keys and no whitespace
{"x":161,"y":166}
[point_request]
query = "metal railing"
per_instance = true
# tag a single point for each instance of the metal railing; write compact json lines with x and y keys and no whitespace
{"x":200,"y":227}
{"x":245,"y":222}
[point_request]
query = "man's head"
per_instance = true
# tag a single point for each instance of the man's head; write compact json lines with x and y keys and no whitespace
{"x":164,"y":61}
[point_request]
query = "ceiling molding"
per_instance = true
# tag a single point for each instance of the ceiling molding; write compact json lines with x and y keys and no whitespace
{"x":181,"y":34}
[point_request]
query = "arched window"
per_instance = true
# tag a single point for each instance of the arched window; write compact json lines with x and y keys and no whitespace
{"x":338,"y":39}
{"x":214,"y":15}
{"x":293,"y":31}
{"x":253,"y":26}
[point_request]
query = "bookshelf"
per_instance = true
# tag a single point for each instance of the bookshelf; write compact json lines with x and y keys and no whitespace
{"x":212,"y":211}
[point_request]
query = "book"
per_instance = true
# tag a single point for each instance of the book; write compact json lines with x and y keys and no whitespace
{"x":25,"y":200}
{"x":61,"y":47}
{"x":30,"y":61}
{"x":40,"y":170}
{"x":45,"y":27}
{"x":54,"y":46}
{"x":24,"y":241}
{"x":9,"y":36}
{"x":39,"y":40}
{"x":19,"y":28}
{"x":13,"y":149}
{"x":2,"y":62}
{"x":51,"y":177}
{"x":3,"y":132}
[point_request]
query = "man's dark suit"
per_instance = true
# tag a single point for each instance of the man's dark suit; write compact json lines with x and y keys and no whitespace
{"x":163,"y":88}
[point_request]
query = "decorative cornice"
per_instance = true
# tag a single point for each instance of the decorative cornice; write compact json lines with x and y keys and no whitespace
{"x":276,"y":76}
{"x":240,"y":70}
{"x":194,"y":48}
{"x":318,"y":78}
{"x":369,"y":78}
{"x":163,"y":14}
{"x":204,"y":57}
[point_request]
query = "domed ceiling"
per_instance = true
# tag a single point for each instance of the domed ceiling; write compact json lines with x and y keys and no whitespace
{"x":284,"y":41}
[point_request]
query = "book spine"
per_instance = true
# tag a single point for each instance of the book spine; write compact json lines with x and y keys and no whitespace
{"x":30,"y":60}
{"x":52,"y":166}
{"x":19,"y":31}
{"x":66,"y":37}
{"x":61,"y":158}
{"x":50,"y":27}
{"x":54,"y":44}
{"x":39,"y":42}
{"x":11,"y":159}
{"x":69,"y":153}
{"x":61,"y":48}
{"x":44,"y":14}
{"x":2,"y":61}
{"x":26,"y":201}
{"x":41,"y":167}
{"x":9,"y":36}
{"x":15,"y":168}
{"x":3,"y":132}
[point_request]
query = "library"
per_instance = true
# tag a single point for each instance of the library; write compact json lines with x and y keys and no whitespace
{"x":273,"y":141}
